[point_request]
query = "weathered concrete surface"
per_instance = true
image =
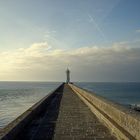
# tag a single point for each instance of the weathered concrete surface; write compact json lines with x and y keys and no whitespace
{"x":76,"y":122}
{"x":64,"y":117}
{"x":123,"y":122}
{"x":67,"y":118}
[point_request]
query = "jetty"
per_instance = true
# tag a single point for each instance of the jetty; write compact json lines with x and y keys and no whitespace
{"x":72,"y":113}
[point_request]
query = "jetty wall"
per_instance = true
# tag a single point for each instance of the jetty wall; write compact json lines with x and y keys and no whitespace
{"x":124,"y":123}
{"x":15,"y":127}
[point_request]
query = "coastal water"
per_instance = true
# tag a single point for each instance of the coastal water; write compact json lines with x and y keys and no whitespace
{"x":17,"y":97}
{"x":122,"y":93}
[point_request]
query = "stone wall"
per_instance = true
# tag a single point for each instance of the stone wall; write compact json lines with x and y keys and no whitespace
{"x":124,"y":123}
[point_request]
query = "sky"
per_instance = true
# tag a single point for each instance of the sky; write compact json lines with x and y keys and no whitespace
{"x":98,"y":40}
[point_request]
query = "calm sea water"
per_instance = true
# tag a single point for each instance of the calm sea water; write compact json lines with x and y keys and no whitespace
{"x":122,"y":93}
{"x":17,"y":97}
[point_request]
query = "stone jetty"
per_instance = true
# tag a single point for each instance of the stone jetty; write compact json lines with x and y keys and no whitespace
{"x":72,"y":113}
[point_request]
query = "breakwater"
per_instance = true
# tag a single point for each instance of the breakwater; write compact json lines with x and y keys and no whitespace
{"x":70,"y":112}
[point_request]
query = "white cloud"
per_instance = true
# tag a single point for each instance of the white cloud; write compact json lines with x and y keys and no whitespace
{"x":36,"y":49}
{"x":39,"y":62}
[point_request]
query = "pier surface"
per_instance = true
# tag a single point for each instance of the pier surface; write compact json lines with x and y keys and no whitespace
{"x":66,"y":118}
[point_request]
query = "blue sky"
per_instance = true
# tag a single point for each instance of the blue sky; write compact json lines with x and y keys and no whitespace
{"x":71,"y":23}
{"x":68,"y":25}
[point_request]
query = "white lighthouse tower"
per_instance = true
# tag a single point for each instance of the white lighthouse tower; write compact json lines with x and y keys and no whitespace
{"x":68,"y":76}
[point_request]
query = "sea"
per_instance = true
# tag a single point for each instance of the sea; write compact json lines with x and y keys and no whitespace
{"x":17,"y":97}
{"x":126,"y":93}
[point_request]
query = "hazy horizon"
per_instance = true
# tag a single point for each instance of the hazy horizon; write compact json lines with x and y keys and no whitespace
{"x":39,"y":81}
{"x":99,"y":41}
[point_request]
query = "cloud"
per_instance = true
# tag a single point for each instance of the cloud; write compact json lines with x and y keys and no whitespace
{"x":41,"y":62}
{"x":36,"y":49}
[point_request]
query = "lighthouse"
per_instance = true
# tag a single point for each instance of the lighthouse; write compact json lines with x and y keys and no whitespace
{"x":68,"y":76}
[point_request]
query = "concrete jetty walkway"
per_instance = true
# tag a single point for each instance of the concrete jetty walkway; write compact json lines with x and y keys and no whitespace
{"x":66,"y":118}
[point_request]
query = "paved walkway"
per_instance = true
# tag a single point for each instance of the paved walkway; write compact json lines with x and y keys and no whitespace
{"x":66,"y":118}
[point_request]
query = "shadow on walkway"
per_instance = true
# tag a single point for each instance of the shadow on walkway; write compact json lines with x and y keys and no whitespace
{"x":43,"y":126}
